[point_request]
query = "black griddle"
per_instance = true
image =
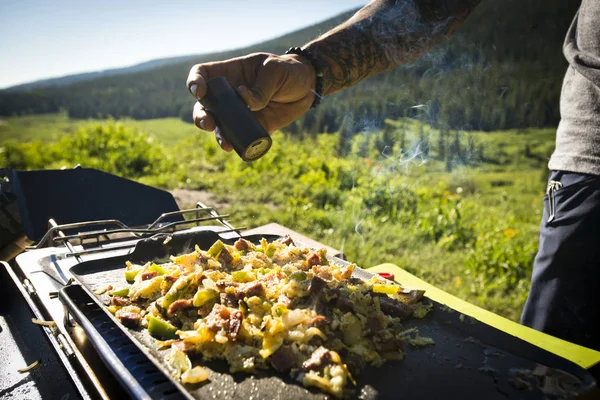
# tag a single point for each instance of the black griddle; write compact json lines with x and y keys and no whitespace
{"x":469,"y":360}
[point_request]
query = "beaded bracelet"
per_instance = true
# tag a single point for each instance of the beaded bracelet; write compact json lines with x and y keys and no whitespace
{"x":319,"y":73}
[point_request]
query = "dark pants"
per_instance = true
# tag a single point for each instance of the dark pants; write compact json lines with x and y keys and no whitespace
{"x":564,"y":299}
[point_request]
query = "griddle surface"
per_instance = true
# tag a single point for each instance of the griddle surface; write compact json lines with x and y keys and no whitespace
{"x":469,"y":359}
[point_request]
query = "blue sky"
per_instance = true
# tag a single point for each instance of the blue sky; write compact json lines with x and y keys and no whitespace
{"x":48,"y":38}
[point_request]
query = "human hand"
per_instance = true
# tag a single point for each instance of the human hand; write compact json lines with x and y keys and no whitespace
{"x":277,"y":89}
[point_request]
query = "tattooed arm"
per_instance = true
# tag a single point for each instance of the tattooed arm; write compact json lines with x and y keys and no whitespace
{"x":383,"y":35}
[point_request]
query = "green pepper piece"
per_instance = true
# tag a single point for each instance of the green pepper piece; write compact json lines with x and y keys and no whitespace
{"x":123,"y":292}
{"x":215,"y":249}
{"x":203,"y":296}
{"x":161,"y":329}
{"x":130,"y":274}
{"x":176,"y":290}
{"x":298,"y":275}
{"x":243,"y":276}
{"x":158,"y":269}
{"x":270,"y":251}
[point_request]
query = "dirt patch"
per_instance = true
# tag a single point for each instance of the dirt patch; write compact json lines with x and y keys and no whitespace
{"x":188,"y":198}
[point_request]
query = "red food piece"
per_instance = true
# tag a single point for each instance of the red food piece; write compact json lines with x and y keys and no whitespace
{"x":179,"y":305}
{"x":183,"y":346}
{"x":386,"y":275}
{"x":222,"y":285}
{"x":287,"y":240}
{"x":226,"y":319}
{"x":149,"y":275}
{"x":313,"y":260}
{"x":235,"y":323}
{"x":241,"y":244}
{"x":228,"y":299}
{"x":225,"y":258}
{"x":130,"y":319}
{"x":272,"y":279}
{"x":320,"y":321}
{"x":120,"y":301}
{"x":321,"y":357}
{"x":251,"y":289}
{"x":284,"y":359}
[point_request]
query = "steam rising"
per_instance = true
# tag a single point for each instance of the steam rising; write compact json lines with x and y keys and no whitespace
{"x":406,"y":33}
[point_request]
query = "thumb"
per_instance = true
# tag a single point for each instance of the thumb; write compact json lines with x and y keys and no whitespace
{"x":264,"y":88}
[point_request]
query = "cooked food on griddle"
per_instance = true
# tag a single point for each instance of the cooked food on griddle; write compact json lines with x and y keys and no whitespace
{"x":270,"y":305}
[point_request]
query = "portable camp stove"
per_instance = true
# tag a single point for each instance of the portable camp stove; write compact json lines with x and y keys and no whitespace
{"x":84,"y":353}
{"x":43,"y":270}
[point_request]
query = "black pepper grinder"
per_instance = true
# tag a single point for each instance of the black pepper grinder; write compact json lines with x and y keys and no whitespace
{"x":235,"y":122}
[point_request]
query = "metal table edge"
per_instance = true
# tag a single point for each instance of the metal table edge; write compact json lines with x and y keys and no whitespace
{"x":53,"y":339}
{"x":582,"y":356}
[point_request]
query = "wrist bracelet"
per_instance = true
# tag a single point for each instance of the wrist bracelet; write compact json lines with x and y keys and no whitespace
{"x":318,"y":71}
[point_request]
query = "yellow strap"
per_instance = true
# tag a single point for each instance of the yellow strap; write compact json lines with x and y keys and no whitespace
{"x":580,"y":355}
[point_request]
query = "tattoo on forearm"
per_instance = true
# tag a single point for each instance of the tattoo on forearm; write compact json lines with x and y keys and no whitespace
{"x":383,"y":35}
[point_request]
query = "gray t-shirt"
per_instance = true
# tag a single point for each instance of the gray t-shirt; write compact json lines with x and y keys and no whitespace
{"x":578,"y":134}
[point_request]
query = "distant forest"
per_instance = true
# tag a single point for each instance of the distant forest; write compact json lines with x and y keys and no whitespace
{"x":502,"y":70}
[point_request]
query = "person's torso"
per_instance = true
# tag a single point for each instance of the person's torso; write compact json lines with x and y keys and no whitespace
{"x":578,"y":134}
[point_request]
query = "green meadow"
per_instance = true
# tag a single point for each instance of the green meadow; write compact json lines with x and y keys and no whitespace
{"x":458,"y":209}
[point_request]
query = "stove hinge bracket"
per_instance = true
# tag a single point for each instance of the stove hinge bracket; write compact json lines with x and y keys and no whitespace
{"x":64,"y":345}
{"x":29,"y":287}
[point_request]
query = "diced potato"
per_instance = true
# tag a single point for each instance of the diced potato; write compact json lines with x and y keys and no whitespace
{"x":199,"y":336}
{"x":149,"y":289}
{"x":195,"y":375}
{"x":351,"y":329}
{"x":179,"y":362}
{"x":314,"y":331}
{"x":293,"y":318}
{"x":273,"y":338}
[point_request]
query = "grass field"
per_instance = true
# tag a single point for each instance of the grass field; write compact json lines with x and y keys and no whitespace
{"x":49,"y":127}
{"x":467,"y":224}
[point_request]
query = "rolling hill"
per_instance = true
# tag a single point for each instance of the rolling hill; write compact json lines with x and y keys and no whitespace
{"x":503,"y":69}
{"x":85,"y":76}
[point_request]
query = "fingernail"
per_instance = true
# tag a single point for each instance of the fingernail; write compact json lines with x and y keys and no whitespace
{"x":193,"y":89}
{"x":202,"y":124}
{"x":243,"y":89}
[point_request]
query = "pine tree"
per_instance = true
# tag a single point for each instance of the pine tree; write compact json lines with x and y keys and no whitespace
{"x":441,"y":147}
{"x":402,"y":141}
{"x":423,"y":141}
{"x":471,"y":156}
{"x":345,"y":136}
{"x":481,"y":152}
{"x":449,"y":163}
{"x":456,"y":151}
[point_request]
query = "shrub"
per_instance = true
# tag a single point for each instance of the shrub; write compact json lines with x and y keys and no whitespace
{"x":110,"y":147}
